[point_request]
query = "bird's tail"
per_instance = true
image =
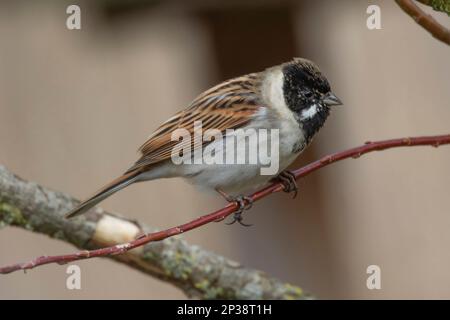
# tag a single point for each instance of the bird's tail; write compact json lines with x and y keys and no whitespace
{"x":111,"y":188}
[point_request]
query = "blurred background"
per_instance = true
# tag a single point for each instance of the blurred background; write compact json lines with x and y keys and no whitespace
{"x":76,"y":104}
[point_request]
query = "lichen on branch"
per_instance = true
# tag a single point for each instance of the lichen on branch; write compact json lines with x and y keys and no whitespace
{"x":198,"y":272}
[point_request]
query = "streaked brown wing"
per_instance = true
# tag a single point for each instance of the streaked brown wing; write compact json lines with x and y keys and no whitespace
{"x":228,"y":105}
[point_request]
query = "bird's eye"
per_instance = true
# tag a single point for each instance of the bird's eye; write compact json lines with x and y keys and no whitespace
{"x":308,"y":94}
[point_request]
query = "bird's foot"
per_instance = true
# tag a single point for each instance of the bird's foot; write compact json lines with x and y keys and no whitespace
{"x":289,"y":182}
{"x":243,"y":202}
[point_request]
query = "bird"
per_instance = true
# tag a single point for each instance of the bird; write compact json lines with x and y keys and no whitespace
{"x":293,"y":98}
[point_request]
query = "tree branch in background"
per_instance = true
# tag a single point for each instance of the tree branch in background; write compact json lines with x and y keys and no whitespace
{"x":198,"y":272}
{"x":438,"y":5}
{"x":427,"y":21}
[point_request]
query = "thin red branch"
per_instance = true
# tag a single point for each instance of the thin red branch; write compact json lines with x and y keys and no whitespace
{"x":356,"y":152}
{"x":425,"y":20}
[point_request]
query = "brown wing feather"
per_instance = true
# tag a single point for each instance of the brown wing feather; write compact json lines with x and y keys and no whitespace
{"x":228,"y":105}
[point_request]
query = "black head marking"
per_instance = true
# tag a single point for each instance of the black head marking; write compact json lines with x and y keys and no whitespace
{"x":304,"y":86}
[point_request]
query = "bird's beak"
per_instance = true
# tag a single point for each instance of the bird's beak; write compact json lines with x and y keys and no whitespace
{"x":330,"y":99}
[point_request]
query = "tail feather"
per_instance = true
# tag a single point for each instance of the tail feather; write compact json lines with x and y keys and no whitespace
{"x":105,"y":192}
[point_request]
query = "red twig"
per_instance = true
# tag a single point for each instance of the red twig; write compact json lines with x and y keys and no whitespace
{"x":425,"y":20}
{"x":356,"y":152}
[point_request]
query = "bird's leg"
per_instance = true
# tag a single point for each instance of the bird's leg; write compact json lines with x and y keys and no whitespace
{"x":288,"y":180}
{"x":243,"y":202}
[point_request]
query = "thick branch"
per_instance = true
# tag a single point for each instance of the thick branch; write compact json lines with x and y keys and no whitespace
{"x":427,"y":21}
{"x":197,"y":272}
{"x":29,"y":205}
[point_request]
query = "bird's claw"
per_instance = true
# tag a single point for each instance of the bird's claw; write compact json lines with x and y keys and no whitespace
{"x":244,"y":203}
{"x":289,"y":182}
{"x":238,"y":217}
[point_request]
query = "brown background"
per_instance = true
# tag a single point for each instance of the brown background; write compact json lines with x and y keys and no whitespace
{"x":75,"y":105}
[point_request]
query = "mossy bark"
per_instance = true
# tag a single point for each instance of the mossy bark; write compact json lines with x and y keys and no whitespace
{"x":198,"y":272}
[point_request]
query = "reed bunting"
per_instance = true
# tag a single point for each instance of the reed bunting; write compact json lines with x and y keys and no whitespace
{"x":293,"y":98}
